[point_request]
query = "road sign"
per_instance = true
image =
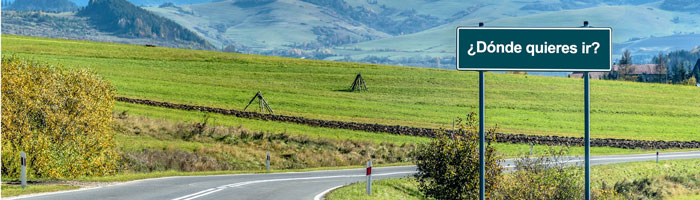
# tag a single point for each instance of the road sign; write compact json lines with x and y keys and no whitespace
{"x":534,"y":49}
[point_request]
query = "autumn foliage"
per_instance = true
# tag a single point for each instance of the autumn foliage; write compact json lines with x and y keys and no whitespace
{"x":60,"y":118}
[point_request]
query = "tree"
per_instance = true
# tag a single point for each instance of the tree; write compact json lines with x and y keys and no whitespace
{"x":696,"y":70}
{"x":625,"y":68}
{"x":626,"y":58}
{"x":448,"y":166}
{"x":660,"y":62}
{"x":61,"y":118}
{"x":681,"y":73}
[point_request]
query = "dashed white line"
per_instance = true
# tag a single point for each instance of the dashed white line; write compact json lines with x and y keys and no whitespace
{"x":233,"y":185}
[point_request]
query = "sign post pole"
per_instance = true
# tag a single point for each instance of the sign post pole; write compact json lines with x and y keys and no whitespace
{"x":482,"y":182}
{"x":587,"y":100}
{"x":587,"y":137}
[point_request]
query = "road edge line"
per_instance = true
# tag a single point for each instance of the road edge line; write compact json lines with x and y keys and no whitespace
{"x":322,"y":195}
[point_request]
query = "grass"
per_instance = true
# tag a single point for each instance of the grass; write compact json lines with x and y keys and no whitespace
{"x":16,"y":190}
{"x":149,"y":145}
{"x":262,"y":125}
{"x":406,"y":188}
{"x":396,"y":188}
{"x":686,"y":197}
{"x":140,"y":142}
{"x":399,"y":95}
{"x":636,"y":170}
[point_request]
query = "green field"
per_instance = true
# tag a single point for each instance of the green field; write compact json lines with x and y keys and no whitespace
{"x":134,"y":143}
{"x":398,"y":95}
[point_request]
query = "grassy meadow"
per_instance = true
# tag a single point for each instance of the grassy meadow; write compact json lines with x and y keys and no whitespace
{"x":132,"y":142}
{"x":398,"y":95}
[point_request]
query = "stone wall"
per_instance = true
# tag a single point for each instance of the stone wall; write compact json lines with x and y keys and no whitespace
{"x":426,"y":132}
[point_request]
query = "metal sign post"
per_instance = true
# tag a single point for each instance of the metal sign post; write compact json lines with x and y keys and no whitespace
{"x":580,"y":49}
{"x":482,"y":168}
{"x":587,"y":99}
{"x":587,"y":137}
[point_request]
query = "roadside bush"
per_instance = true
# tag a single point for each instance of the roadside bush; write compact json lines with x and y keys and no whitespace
{"x":658,"y":187}
{"x":546,"y":177}
{"x":639,"y":189}
{"x":61,"y":118}
{"x":448,"y":166}
{"x":691,"y":81}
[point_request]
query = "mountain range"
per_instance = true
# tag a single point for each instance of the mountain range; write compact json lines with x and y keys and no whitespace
{"x":417,"y":32}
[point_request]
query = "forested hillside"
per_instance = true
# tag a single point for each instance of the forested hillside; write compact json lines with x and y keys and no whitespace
{"x":125,"y":19}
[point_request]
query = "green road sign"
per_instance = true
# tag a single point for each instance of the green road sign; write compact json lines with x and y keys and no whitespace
{"x":534,"y":49}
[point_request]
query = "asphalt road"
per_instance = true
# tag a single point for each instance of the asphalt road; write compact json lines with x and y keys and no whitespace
{"x":295,"y":185}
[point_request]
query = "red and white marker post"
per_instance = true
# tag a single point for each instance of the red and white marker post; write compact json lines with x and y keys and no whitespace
{"x":369,"y":177}
{"x":657,"y":155}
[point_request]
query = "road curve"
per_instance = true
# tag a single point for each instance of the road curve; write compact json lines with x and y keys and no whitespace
{"x":293,"y":185}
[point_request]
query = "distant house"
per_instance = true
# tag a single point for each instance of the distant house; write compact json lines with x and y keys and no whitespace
{"x":643,"y":73}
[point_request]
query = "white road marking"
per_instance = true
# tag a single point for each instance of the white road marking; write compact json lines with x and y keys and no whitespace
{"x":320,"y":195}
{"x":233,"y":185}
{"x":193,"y":194}
{"x":623,"y":158}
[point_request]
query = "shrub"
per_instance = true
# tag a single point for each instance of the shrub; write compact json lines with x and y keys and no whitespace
{"x":691,"y":81}
{"x":61,"y":118}
{"x":547,"y":177}
{"x":448,"y":166}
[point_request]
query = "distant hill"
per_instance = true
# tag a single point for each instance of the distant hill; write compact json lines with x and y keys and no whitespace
{"x":579,"y":4}
{"x":152,"y":2}
{"x":41,"y":5}
{"x":127,"y":20}
{"x":392,"y":21}
{"x":285,"y":28}
{"x":397,"y":32}
{"x":682,"y":5}
{"x":160,"y":2}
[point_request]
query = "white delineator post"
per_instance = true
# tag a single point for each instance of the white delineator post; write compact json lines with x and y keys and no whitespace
{"x":267,"y":161}
{"x":24,"y":169}
{"x":369,"y":177}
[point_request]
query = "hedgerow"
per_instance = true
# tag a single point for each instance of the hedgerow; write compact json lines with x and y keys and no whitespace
{"x":61,"y":118}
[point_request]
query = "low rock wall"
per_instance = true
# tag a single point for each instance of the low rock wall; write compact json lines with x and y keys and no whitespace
{"x":425,"y":132}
